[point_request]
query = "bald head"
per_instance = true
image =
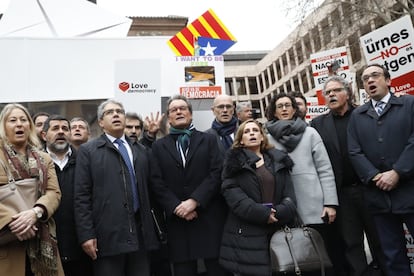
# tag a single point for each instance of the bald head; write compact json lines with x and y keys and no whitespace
{"x":223,"y":108}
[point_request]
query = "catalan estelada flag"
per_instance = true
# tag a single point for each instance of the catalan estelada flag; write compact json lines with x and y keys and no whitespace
{"x":208,"y":25}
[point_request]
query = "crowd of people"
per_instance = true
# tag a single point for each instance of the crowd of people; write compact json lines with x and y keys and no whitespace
{"x":157,"y":197}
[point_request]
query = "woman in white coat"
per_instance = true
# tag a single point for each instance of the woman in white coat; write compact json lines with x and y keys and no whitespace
{"x":312,"y":175}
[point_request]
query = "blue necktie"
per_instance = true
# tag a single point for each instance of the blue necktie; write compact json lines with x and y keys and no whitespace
{"x":123,"y":150}
{"x":379,"y":107}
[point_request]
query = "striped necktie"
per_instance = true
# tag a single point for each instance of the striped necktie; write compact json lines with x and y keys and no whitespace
{"x":379,"y":107}
{"x":124,"y":153}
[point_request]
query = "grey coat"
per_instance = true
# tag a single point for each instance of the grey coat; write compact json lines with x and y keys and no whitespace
{"x":312,"y":176}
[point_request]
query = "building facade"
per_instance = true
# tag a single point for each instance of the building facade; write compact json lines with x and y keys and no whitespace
{"x":287,"y":67}
{"x":257,"y":76}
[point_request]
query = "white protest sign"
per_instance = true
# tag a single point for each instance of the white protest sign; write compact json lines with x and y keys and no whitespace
{"x":392,"y":47}
{"x":320,"y":63}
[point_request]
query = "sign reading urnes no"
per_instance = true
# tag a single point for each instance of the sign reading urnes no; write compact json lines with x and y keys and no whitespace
{"x":392,"y":46}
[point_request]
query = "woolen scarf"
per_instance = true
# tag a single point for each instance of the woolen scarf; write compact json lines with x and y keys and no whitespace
{"x":42,"y":249}
{"x":183,"y":136}
{"x":287,"y":132}
{"x":225,"y":131}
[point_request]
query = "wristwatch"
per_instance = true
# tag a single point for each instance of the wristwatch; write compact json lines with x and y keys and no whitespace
{"x":38,"y":213}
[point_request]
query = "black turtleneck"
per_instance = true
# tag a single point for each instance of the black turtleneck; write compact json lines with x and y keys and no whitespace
{"x":341,"y":125}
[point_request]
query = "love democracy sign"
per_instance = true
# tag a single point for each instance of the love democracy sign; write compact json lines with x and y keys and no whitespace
{"x":393,"y":47}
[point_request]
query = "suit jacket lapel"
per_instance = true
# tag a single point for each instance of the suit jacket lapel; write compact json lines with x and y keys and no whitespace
{"x":195,"y":141}
{"x":171,"y":147}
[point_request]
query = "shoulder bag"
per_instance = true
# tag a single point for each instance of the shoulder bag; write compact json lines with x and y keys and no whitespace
{"x":298,"y":249}
{"x":16,"y":196}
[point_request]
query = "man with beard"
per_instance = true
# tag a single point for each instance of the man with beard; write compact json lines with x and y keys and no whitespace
{"x":352,"y":215}
{"x":225,"y":124}
{"x":133,"y":126}
{"x":301,"y":102}
{"x":56,"y":134}
{"x":80,"y":132}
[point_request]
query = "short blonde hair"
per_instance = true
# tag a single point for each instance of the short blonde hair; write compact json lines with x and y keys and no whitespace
{"x":4,"y":115}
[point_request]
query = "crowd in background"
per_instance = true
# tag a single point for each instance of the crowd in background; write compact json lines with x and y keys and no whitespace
{"x":159,"y":197}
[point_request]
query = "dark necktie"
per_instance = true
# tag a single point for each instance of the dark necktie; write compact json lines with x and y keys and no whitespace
{"x":124,"y":152}
{"x":379,"y":107}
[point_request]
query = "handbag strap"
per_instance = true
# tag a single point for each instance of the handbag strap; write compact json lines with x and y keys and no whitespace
{"x":287,"y":230}
{"x":288,"y":238}
{"x":315,"y":246}
{"x":8,"y":172}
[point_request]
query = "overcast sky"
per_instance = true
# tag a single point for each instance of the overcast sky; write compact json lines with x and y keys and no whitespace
{"x":259,"y":25}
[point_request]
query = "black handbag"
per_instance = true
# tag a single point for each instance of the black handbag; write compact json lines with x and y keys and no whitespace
{"x":298,"y":249}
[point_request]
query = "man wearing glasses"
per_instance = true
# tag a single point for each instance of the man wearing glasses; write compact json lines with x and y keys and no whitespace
{"x":186,"y":181}
{"x":225,"y":124}
{"x":381,"y":148}
{"x":112,"y":210}
{"x":352,"y":215}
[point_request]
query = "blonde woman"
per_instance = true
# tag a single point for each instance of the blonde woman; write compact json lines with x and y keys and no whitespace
{"x":259,"y":192}
{"x":34,"y":251}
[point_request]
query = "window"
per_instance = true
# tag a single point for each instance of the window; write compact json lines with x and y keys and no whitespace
{"x":291,"y":57}
{"x":272,"y":74}
{"x":316,"y":39}
{"x":240,"y":86}
{"x":253,"y":85}
{"x":355,"y":47}
{"x":299,"y":52}
{"x":229,"y":87}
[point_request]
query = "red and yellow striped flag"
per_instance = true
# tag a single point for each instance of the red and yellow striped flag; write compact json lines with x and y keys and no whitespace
{"x":207,"y":25}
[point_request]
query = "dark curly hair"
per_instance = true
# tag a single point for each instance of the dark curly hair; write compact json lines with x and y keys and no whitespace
{"x":272,"y":106}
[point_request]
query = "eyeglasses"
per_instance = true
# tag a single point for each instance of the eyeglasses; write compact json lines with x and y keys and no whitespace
{"x":224,"y":106}
{"x":374,"y":75}
{"x":335,"y":90}
{"x":285,"y":105}
{"x":112,"y":111}
{"x":177,"y":108}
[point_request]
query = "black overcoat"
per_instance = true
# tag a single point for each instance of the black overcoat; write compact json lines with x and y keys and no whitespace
{"x":103,"y":201}
{"x":246,"y":238}
{"x":200,"y":180}
{"x":381,"y":143}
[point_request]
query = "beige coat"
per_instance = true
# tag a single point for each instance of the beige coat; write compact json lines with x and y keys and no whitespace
{"x":13,"y":255}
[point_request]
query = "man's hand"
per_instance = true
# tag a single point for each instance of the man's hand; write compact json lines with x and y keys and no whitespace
{"x":387,"y":180}
{"x":192,"y":215}
{"x":153,"y":124}
{"x":90,"y":247}
{"x":185,"y":208}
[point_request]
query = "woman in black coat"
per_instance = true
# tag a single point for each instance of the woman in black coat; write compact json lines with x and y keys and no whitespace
{"x":258,"y":190}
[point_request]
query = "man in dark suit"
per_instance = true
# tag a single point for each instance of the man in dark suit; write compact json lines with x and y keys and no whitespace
{"x":56,"y":134}
{"x":224,"y":125}
{"x":381,"y":148}
{"x":112,"y":209}
{"x":186,"y":181}
{"x":352,"y":215}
